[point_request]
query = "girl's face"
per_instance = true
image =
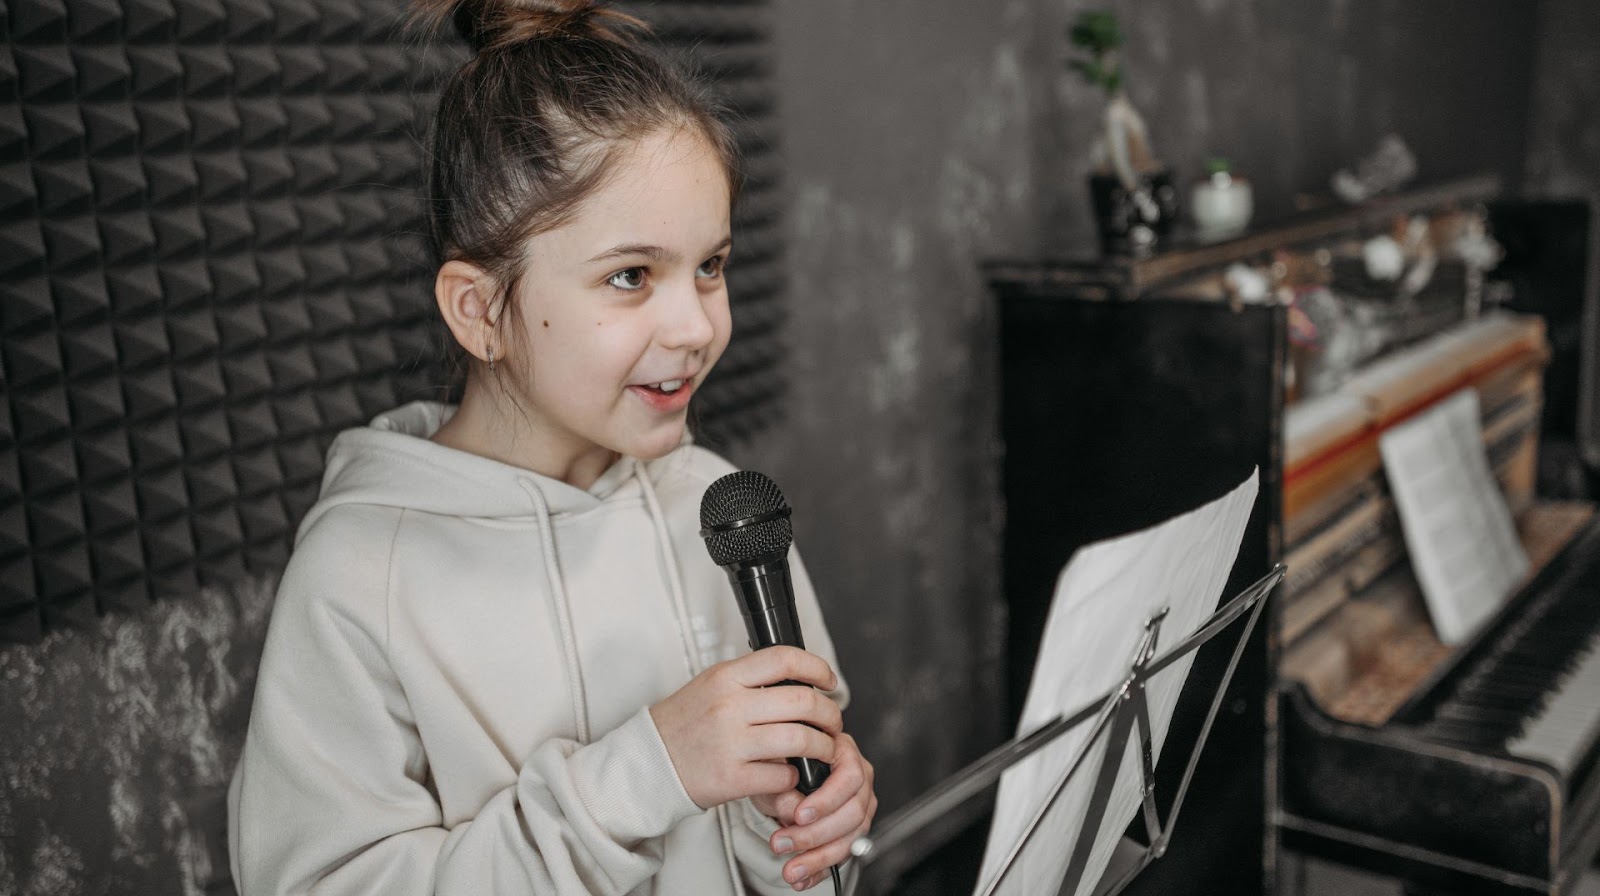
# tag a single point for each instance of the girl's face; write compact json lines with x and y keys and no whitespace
{"x":622,"y":311}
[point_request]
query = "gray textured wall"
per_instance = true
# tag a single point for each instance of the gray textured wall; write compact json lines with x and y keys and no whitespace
{"x":117,"y":743}
{"x":1293,"y":91}
{"x":922,"y":137}
{"x":905,"y":143}
{"x":1564,"y":163}
{"x":1564,"y":126}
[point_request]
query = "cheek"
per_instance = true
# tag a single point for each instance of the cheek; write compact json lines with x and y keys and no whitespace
{"x":578,"y":352}
{"x":721,"y":324}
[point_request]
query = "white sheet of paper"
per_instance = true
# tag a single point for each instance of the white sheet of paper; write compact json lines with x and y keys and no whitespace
{"x":1096,"y":620}
{"x":1458,"y":530}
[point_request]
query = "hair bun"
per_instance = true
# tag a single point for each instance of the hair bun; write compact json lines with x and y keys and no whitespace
{"x":492,"y":24}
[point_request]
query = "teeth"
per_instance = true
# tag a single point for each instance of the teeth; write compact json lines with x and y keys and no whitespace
{"x":669,"y":385}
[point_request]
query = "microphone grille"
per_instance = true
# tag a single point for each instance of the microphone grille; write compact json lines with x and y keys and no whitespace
{"x":743,"y":495}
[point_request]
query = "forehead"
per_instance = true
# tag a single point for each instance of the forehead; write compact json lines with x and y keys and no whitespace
{"x":667,"y":189}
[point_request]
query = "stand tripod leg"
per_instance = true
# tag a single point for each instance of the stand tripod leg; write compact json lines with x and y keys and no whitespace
{"x":1152,"y":818}
{"x":1116,"y":745}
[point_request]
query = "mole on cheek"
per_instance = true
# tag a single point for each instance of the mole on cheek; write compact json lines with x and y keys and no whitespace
{"x":547,"y":324}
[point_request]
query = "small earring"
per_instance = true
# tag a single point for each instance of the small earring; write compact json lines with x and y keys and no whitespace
{"x":490,"y":351}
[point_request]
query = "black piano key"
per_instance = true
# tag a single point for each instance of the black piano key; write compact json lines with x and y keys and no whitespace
{"x":1491,"y":703}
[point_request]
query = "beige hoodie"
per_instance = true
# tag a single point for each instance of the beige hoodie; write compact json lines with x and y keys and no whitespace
{"x":453,"y":693}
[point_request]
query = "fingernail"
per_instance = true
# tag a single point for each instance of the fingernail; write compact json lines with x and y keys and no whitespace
{"x":806,"y":815}
{"x":785,"y":845}
{"x":798,"y":875}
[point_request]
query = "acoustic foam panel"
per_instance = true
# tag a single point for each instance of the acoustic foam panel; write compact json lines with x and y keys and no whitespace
{"x":211,"y":263}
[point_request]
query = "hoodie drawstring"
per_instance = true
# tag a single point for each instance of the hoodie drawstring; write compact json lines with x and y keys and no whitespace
{"x":681,"y":608}
{"x":680,"y":605}
{"x":569,"y":639}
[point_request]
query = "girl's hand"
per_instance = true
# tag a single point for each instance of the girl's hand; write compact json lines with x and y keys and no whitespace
{"x":820,"y":828}
{"x":729,"y":735}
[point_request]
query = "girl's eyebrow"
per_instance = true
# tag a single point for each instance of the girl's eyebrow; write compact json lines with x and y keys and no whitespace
{"x":656,"y":254}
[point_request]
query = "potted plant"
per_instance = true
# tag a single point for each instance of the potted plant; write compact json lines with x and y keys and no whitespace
{"x":1221,"y":202}
{"x":1134,"y":199}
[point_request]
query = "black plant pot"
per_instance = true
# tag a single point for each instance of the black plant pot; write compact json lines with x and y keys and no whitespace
{"x":1133,"y":224}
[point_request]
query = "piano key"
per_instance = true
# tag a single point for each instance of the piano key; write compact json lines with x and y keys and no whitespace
{"x":1535,"y":693}
{"x":1569,"y":721}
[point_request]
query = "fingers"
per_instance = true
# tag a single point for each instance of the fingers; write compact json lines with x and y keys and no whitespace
{"x":836,"y":829}
{"x":793,"y":704}
{"x":781,"y":804}
{"x":785,"y":803}
{"x":727,"y":731}
{"x":851,"y":775}
{"x":811,"y":867}
{"x":813,"y":840}
{"x":771,"y":665}
{"x":782,"y":741}
{"x":829,"y":821}
{"x":770,"y":777}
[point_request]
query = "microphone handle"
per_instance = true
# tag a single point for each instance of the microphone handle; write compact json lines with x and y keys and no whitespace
{"x":766,"y":600}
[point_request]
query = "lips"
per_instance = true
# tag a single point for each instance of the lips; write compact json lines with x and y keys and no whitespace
{"x":665,"y":396}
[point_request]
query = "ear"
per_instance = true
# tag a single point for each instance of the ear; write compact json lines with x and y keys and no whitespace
{"x":468,"y":298}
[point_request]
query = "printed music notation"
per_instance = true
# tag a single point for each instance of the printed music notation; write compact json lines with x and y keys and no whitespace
{"x":1458,"y":529}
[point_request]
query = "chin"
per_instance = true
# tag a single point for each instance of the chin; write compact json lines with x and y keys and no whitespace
{"x":658,"y":444}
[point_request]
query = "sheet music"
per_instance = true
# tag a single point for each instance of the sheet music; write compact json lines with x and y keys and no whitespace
{"x":1102,"y":599}
{"x":1458,"y":529}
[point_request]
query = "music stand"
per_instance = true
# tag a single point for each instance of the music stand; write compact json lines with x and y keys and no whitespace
{"x":909,"y":835}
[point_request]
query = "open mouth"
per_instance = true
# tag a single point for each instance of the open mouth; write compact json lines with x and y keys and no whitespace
{"x":667,"y":395}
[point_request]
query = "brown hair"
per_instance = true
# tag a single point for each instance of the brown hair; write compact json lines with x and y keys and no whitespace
{"x":528,"y":127}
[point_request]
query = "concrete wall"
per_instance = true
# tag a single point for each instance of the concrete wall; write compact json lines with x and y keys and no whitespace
{"x":1564,"y":163}
{"x":1564,"y":128}
{"x":1292,"y":92}
{"x":905,"y":138}
{"x":923,"y":136}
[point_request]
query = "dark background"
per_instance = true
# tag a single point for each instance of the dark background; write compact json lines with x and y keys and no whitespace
{"x":923,"y":137}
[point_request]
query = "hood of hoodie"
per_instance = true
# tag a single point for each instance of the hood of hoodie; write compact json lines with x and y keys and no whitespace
{"x":391,"y":462}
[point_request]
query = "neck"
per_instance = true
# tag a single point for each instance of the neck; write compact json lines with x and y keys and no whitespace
{"x":492,"y":426}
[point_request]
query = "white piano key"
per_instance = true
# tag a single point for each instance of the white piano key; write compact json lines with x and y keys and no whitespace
{"x":1570,"y":719}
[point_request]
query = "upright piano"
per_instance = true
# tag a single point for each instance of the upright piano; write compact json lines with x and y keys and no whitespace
{"x":1135,"y":388}
{"x":1466,"y":767}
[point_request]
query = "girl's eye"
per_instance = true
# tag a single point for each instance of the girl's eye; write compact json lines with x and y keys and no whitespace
{"x":630,"y":279}
{"x":712,"y":267}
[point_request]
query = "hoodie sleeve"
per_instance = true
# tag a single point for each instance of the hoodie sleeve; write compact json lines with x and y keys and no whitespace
{"x":762,"y":871}
{"x":332,"y":793}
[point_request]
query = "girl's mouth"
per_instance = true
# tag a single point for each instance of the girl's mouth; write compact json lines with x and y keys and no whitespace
{"x":668,"y":395}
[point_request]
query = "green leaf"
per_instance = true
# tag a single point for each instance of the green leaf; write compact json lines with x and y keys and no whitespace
{"x":1096,"y":31}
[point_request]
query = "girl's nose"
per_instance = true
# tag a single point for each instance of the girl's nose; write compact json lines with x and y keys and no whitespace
{"x":685,"y":323}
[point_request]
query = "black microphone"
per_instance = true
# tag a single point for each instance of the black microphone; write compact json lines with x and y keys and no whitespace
{"x":745,"y":523}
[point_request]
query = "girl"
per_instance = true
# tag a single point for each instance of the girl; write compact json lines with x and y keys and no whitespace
{"x":501,"y":660}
